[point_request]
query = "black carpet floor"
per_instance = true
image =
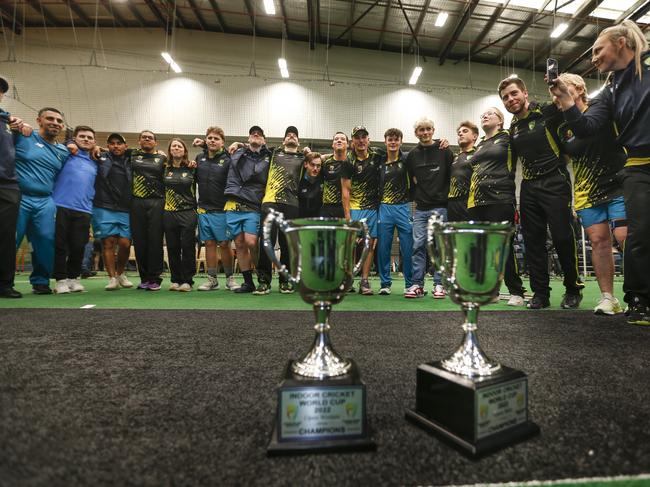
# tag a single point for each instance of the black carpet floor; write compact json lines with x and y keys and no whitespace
{"x":187,"y":398}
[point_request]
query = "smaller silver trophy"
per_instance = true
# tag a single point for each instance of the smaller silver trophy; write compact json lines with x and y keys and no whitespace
{"x":468,"y":399}
{"x":321,"y":398}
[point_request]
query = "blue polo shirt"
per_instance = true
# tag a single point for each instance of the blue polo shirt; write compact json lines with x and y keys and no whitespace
{"x":75,"y":186}
{"x":37,"y":164}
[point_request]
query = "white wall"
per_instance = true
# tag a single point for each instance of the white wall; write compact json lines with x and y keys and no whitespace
{"x":130,"y":88}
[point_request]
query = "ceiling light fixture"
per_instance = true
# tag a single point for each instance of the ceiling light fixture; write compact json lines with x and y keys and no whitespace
{"x":416,"y":74}
{"x":559,"y":30}
{"x":284,"y":71}
{"x":269,"y":6}
{"x":168,"y":59}
{"x":441,"y":19}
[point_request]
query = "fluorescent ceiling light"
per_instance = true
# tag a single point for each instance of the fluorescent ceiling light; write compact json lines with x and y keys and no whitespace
{"x":441,"y":19}
{"x":284,"y":70}
{"x":559,"y":30}
{"x":269,"y":6}
{"x":416,"y":74}
{"x":168,"y":59}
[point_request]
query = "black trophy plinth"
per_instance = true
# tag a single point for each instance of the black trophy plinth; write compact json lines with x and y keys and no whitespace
{"x":320,"y":415}
{"x":475,"y":415}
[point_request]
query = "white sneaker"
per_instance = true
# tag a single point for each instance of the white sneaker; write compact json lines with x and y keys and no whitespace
{"x":185,"y":288}
{"x":124,"y":281}
{"x":61,"y":287}
{"x":210,"y":285}
{"x":384,"y":291}
{"x":516,"y":300}
{"x":231,"y":284}
{"x":608,"y":305}
{"x":174,"y":286}
{"x":75,"y":286}
{"x":438,"y":292}
{"x":113,"y":284}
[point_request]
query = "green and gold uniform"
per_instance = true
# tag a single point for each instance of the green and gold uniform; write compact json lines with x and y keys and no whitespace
{"x":364,"y":176}
{"x":331,"y":174}
{"x":461,"y":174}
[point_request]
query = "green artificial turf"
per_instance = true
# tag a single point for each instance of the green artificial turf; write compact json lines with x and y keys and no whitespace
{"x":95,"y":296}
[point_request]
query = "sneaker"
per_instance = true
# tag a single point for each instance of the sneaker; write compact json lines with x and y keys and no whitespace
{"x":185,"y":287}
{"x":87,"y":274}
{"x":262,"y":289}
{"x":231,"y":284}
{"x":244,"y":288}
{"x":638,"y":315}
{"x":608,"y":305}
{"x":153,"y":286}
{"x":112,"y":285}
{"x":174,"y":286}
{"x":538,"y":302}
{"x":438,"y":292}
{"x":61,"y":287}
{"x":571,"y":301}
{"x":286,"y":288}
{"x":365,"y":289}
{"x":10,"y":293}
{"x":516,"y":300}
{"x":210,"y":285}
{"x":75,"y":286}
{"x":414,"y":291}
{"x":41,"y":289}
{"x":352,"y":289}
{"x":124,"y":281}
{"x":143,"y":285}
{"x":384,"y":291}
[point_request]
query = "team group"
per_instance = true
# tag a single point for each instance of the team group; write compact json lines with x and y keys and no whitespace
{"x":51,"y":192}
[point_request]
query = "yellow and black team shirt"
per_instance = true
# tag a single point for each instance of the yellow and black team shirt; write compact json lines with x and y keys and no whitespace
{"x":364,"y":174}
{"x":180,"y":189}
{"x":331,"y":174}
{"x":285,"y":170}
{"x":461,"y":174}
{"x":596,"y":160}
{"x":493,"y":172}
{"x":394,"y":182}
{"x":148,"y":172}
{"x":534,"y":140}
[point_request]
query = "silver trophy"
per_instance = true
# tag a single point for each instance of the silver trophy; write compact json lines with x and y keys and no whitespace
{"x":468,"y":399}
{"x":321,"y":400}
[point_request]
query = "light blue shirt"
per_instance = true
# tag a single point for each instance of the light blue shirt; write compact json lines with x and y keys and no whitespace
{"x":75,"y":186}
{"x":38,"y":163}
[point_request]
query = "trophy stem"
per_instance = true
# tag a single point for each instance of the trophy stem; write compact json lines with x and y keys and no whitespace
{"x":470,"y":360}
{"x":321,"y":361}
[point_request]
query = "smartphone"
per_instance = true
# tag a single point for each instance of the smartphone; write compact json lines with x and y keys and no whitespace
{"x":552,"y":71}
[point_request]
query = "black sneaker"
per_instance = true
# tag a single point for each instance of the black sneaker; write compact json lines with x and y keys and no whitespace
{"x":87,"y":274}
{"x":638,"y":315}
{"x":571,"y":301}
{"x":41,"y":289}
{"x":286,"y":288}
{"x":262,"y":289}
{"x":10,"y":293}
{"x":538,"y":302}
{"x":244,"y":288}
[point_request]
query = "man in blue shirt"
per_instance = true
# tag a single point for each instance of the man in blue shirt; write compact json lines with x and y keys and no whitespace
{"x":39,"y":159}
{"x":73,"y":195}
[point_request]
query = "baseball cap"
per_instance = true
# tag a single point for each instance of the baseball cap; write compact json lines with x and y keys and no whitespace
{"x":4,"y":85}
{"x":256,"y":128}
{"x":359,"y":128}
{"x":117,"y":136}
{"x":291,"y":129}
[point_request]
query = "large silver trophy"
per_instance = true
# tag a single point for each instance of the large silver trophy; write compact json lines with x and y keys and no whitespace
{"x":321,"y":398}
{"x":467,"y":399}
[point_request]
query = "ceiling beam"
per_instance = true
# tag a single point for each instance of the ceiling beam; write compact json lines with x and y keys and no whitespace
{"x":283,"y":9}
{"x":177,"y":15}
{"x":408,"y":22}
{"x":383,"y":25}
{"x":488,"y":28}
{"x":467,"y":14}
{"x":197,"y":14}
{"x":350,"y":22}
{"x":138,"y":16}
{"x":74,"y":6}
{"x":119,"y":20}
{"x":310,"y":24}
{"x":319,"y":37}
{"x":10,"y":15}
{"x":48,"y":18}
{"x":349,"y":28}
{"x":217,"y":13}
{"x":515,"y":37}
{"x":156,"y":11}
{"x":418,"y":25}
{"x":251,"y":15}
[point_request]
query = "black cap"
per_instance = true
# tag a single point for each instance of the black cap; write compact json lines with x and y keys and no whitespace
{"x":291,"y":129}
{"x":256,"y":128}
{"x":4,"y":86}
{"x":117,"y":136}
{"x":359,"y":128}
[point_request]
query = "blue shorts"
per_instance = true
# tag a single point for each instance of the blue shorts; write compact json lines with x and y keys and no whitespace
{"x":109,"y":223}
{"x":607,"y":212}
{"x":242,"y":221}
{"x":370,"y":216}
{"x":213,"y":226}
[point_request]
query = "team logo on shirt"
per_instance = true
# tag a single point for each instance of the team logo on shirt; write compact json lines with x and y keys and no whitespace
{"x":38,"y":144}
{"x":139,"y":158}
{"x":531,"y":125}
{"x":359,"y":168}
{"x":170,"y":174}
{"x":184,"y":174}
{"x":156,"y":160}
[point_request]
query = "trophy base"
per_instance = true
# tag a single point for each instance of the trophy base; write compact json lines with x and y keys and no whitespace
{"x":476,"y":416}
{"x":320,"y":415}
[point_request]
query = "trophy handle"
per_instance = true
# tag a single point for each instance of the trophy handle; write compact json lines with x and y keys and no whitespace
{"x":361,"y":225}
{"x":277,"y":218}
